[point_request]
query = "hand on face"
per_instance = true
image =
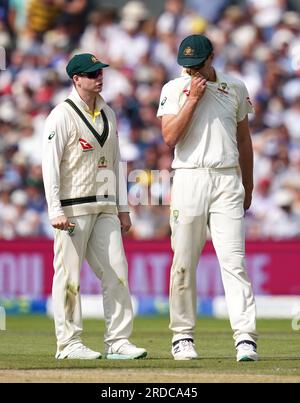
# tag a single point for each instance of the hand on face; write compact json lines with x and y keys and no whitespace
{"x":198,"y":87}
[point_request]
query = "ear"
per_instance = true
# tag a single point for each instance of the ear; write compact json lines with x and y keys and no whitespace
{"x":76,"y":80}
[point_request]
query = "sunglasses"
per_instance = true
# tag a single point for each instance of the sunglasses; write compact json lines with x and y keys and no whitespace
{"x":92,"y":74}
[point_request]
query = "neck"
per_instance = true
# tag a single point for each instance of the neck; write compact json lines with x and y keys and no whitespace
{"x":212,"y":74}
{"x":88,"y":97}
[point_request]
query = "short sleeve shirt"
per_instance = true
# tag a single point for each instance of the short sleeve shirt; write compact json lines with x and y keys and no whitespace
{"x":210,"y":139}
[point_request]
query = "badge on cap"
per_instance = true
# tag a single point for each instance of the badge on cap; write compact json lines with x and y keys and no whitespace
{"x":94,"y":60}
{"x":188,"y":51}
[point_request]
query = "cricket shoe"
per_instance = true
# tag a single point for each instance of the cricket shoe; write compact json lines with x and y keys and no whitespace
{"x":125,"y":351}
{"x":184,"y":349}
{"x":77,"y":352}
{"x":246,"y":351}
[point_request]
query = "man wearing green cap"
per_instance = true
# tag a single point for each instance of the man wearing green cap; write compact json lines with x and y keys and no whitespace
{"x":87,"y":202}
{"x":205,"y":117}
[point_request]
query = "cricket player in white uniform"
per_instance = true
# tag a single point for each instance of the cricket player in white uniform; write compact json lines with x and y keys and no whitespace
{"x":205,"y":117}
{"x":84,"y":184}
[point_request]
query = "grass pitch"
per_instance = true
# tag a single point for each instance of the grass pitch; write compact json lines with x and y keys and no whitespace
{"x":27,"y":351}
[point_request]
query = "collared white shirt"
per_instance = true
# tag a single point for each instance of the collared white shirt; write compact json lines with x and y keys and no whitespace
{"x":210,"y":139}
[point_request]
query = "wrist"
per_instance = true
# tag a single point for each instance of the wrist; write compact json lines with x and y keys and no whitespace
{"x":192,"y":100}
{"x":248,"y":187}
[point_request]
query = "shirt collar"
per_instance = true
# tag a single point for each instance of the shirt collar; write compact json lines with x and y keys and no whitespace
{"x":80,"y":102}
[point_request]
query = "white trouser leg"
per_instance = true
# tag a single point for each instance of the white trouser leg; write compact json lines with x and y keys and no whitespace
{"x":226,"y":221}
{"x":69,"y":252}
{"x":189,"y":225}
{"x":188,"y":239}
{"x":105,"y":254}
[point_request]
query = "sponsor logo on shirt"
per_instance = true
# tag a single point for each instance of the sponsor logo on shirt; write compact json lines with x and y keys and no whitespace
{"x":163,"y":101}
{"x":186,"y":92}
{"x":51,"y":135}
{"x":85,"y":145}
{"x":249,"y":101}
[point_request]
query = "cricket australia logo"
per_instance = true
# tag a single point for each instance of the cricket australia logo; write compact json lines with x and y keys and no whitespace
{"x":102,"y":162}
{"x":188,"y":51}
{"x":223,"y":87}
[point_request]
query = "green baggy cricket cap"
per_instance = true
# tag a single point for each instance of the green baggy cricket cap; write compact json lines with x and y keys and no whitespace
{"x":193,"y":50}
{"x":84,"y":63}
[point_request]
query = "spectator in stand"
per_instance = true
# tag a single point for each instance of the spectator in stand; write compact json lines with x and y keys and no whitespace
{"x":42,"y":14}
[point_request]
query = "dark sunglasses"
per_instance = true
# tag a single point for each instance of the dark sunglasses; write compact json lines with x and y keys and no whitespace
{"x":92,"y":74}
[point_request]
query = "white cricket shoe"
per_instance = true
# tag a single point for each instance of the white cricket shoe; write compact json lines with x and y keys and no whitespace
{"x":77,"y":352}
{"x":126,"y":351}
{"x":246,"y":351}
{"x":184,"y":349}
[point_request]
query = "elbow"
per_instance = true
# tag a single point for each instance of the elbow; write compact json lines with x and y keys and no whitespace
{"x":169,"y":140}
{"x":170,"y":143}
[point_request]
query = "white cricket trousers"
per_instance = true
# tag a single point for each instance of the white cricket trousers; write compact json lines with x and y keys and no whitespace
{"x":97,"y":237}
{"x":209,"y":197}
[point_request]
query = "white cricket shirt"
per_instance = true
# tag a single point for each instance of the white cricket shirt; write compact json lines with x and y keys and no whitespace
{"x":81,"y":176}
{"x":210,"y":140}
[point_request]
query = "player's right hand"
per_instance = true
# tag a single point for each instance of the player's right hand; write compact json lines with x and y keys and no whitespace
{"x":61,"y":222}
{"x":198,"y":87}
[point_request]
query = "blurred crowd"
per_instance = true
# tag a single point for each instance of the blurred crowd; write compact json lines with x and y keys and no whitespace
{"x":257,"y":41}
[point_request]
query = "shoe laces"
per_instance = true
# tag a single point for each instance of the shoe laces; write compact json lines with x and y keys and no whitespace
{"x":126,"y":346}
{"x":82,"y":347}
{"x":246,"y":346}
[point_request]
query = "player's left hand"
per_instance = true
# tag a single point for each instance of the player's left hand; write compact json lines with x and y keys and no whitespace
{"x":247,"y":200}
{"x":125,"y":222}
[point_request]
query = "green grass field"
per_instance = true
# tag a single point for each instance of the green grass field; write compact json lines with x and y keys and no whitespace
{"x":27,"y":350}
